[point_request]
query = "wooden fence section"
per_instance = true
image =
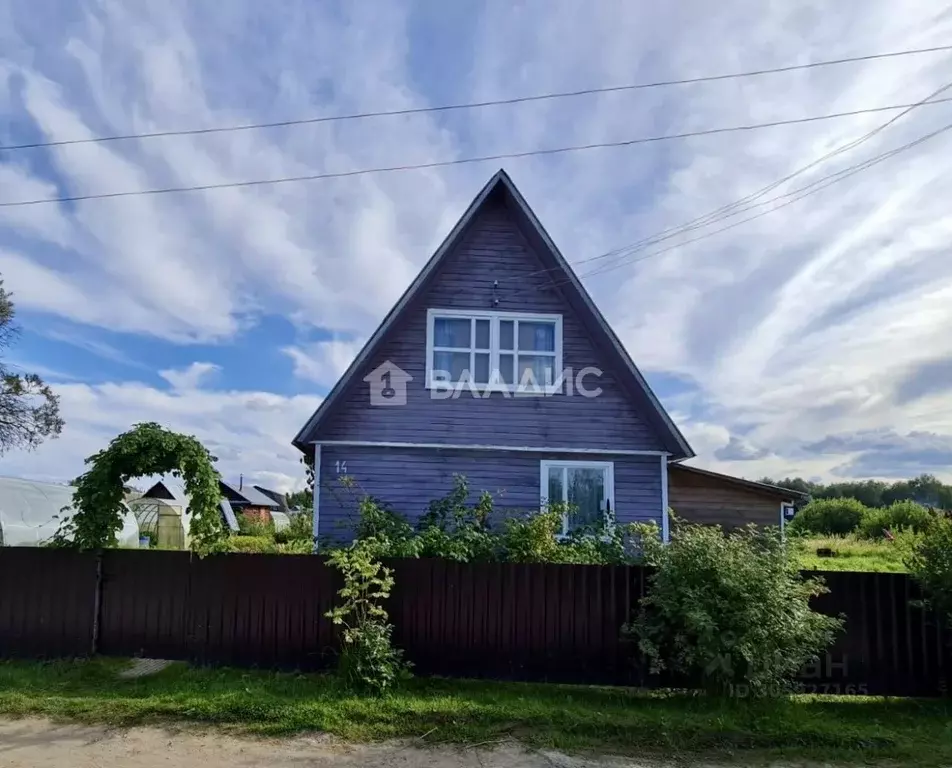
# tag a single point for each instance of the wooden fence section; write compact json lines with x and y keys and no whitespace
{"x":47,"y":602}
{"x":495,"y":620}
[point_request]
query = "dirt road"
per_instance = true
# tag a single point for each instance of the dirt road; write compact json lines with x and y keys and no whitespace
{"x":40,"y":744}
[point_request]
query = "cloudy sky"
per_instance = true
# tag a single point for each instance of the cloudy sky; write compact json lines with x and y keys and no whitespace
{"x":815,"y":340}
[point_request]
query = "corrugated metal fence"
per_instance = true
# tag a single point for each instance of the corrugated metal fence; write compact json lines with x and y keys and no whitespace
{"x":505,"y":621}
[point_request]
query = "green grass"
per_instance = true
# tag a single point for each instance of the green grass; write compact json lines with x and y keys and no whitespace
{"x":570,"y":718}
{"x":853,"y":554}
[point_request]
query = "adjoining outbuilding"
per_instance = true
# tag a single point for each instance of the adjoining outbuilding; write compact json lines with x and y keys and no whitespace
{"x":31,"y":513}
{"x":702,"y":496}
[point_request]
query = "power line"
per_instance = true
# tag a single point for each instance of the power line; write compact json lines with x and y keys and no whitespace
{"x":795,"y":195}
{"x":479,"y":104}
{"x":719,"y":214}
{"x":459,"y":161}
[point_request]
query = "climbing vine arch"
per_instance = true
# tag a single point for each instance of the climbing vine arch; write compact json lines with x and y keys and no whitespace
{"x":146,"y":449}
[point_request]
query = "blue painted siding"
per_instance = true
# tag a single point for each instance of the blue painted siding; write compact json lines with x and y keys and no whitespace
{"x":409,"y":479}
{"x":493,"y":249}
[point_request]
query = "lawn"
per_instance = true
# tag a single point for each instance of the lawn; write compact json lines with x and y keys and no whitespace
{"x":570,"y":718}
{"x":852,"y":554}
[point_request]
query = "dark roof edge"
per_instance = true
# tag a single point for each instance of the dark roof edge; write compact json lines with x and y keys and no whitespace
{"x":753,"y":484}
{"x":667,"y":422}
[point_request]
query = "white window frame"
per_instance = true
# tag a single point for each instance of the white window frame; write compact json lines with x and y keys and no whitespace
{"x":608,"y":467}
{"x":495,"y":317}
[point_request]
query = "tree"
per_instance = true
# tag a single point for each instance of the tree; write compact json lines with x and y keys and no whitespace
{"x":29,"y":411}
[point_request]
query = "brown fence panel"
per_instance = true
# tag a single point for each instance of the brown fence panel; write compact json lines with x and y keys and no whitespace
{"x":513,"y":621}
{"x":516,"y":621}
{"x":890,"y":644}
{"x":145,"y":598}
{"x":47,"y":602}
{"x":262,"y":610}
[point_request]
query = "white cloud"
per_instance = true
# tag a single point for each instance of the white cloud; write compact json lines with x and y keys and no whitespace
{"x":807,"y":322}
{"x":323,"y":362}
{"x":191,"y":377}
{"x":249,"y":432}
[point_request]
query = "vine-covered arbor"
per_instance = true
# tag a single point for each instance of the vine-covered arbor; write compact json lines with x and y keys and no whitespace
{"x":146,"y":449}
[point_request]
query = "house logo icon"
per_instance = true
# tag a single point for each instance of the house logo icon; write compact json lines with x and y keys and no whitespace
{"x":388,"y":384}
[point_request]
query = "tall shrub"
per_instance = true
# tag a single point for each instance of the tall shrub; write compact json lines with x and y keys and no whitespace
{"x":368,"y":661}
{"x":897,"y":516}
{"x":930,"y":563}
{"x":829,"y":517}
{"x":730,"y":612}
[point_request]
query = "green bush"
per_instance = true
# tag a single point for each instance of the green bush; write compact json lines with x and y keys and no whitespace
{"x":829,"y":517}
{"x":897,"y":516}
{"x":730,"y":612}
{"x":253,"y":525}
{"x":252,"y":544}
{"x":930,"y":563}
{"x":300,"y":528}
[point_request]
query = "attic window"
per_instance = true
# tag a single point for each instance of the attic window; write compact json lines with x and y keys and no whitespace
{"x":498,"y":351}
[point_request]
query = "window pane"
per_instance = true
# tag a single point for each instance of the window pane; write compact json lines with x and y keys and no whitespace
{"x":506,"y":363}
{"x":505,"y":334}
{"x":451,"y":332}
{"x":482,"y":334}
{"x":586,"y":497}
{"x":555,"y":492}
{"x":481,"y":373}
{"x":536,"y":371}
{"x":450,"y":366}
{"x":536,"y":337}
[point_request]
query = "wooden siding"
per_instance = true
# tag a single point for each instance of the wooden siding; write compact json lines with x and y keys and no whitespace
{"x":708,"y":500}
{"x":409,"y":479}
{"x":493,"y":249}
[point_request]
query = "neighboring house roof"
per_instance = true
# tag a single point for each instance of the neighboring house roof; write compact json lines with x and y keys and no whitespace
{"x":279,"y":498}
{"x":785,"y":494}
{"x":173,"y":489}
{"x":252,"y":495}
{"x":169,"y":488}
{"x":574,"y":292}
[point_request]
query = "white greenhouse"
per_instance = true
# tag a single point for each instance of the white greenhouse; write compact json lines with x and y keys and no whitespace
{"x":31,"y":513}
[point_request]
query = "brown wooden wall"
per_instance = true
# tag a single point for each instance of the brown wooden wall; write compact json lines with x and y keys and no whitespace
{"x":711,"y":501}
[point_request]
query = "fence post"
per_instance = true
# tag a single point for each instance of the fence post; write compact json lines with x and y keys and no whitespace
{"x":97,"y":605}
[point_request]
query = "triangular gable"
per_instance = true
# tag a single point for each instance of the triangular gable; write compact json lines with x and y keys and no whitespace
{"x":569,"y":285}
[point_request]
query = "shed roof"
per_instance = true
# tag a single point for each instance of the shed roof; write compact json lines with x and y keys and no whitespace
{"x":631,"y":378}
{"x":252,"y":495}
{"x":784,"y":494}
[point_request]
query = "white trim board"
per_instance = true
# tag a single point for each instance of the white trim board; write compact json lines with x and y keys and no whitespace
{"x":665,"y":519}
{"x":513,"y":448}
{"x":316,"y":512}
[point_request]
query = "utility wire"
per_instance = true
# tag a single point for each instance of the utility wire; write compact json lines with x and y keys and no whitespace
{"x":795,"y":196}
{"x":478,"y":104}
{"x":724,"y":212}
{"x":458,"y":161}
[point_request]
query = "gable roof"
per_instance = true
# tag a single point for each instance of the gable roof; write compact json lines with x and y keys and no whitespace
{"x":278,"y":498}
{"x":252,"y":495}
{"x":784,"y":494}
{"x":630,"y":377}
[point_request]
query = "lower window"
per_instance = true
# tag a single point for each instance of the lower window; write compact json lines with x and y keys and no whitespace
{"x":586,"y":487}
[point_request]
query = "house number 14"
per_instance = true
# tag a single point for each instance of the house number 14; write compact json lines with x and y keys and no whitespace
{"x":341,"y":467}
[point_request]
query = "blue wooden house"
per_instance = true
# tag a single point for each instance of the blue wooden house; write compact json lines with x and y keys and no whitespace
{"x":497,"y":365}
